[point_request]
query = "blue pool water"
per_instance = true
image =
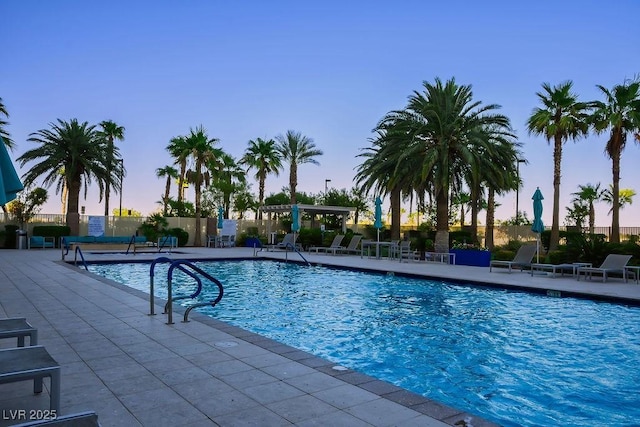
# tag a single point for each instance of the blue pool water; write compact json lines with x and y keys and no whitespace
{"x":510,"y":357}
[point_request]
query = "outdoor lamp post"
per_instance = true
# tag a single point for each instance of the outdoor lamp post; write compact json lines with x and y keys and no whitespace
{"x":518,"y":161}
{"x":326,"y":181}
{"x":121,"y":178}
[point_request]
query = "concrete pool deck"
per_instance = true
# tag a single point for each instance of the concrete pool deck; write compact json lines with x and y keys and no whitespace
{"x":133,"y":369}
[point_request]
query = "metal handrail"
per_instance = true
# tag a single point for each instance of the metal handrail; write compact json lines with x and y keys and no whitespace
{"x":75,"y":258}
{"x":151,"y":278}
{"x":179,"y":264}
{"x":132,"y":241}
{"x":164,"y":240}
{"x":293,"y":248}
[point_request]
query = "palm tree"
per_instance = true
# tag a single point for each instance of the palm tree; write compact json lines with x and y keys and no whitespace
{"x":589,"y":194}
{"x":4,"y":134}
{"x":171,"y":173}
{"x":228,"y":177}
{"x":77,"y":149}
{"x":110,"y":132}
{"x":620,"y":114}
{"x":201,"y":149}
{"x":625,"y":197}
{"x":296,"y":149}
{"x":264,"y":157}
{"x":441,"y":123}
{"x":179,"y":150}
{"x":560,"y":118}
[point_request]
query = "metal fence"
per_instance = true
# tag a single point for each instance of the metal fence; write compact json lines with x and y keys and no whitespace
{"x":127,"y":226}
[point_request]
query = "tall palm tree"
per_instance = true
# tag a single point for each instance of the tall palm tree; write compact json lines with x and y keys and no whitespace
{"x":228,"y":177}
{"x":589,"y":194}
{"x":170,"y":173}
{"x":180,"y":151}
{"x":202,"y":151}
{"x":4,"y":134}
{"x":620,"y":114}
{"x":441,"y":122}
{"x":110,"y":132}
{"x":561,"y":117}
{"x":75,"y":148}
{"x":296,"y":149}
{"x":264,"y":157}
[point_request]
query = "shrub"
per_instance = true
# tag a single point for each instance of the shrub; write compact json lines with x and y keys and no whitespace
{"x":182,"y":235}
{"x":310,"y":237}
{"x":56,"y":231}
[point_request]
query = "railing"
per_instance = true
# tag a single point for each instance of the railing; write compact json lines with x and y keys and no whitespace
{"x":132,"y":241}
{"x":293,"y":248}
{"x":183,"y":266}
{"x":75,"y":258}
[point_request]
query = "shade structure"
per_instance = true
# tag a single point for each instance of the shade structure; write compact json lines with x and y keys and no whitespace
{"x":537,"y":226}
{"x":10,"y":184}
{"x":377,"y":223}
{"x":220,"y":217}
{"x":295,"y":219}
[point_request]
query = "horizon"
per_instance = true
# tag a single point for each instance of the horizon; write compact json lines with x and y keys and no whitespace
{"x":328,"y":70}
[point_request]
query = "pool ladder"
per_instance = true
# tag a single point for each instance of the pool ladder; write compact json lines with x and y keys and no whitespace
{"x":189,"y":269}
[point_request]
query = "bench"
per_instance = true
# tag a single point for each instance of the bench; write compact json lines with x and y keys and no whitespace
{"x":19,"y":328}
{"x":42,"y":242}
{"x":119,"y":243}
{"x":31,"y":363}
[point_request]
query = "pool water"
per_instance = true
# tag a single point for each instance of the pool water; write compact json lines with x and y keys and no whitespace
{"x":511,"y":357}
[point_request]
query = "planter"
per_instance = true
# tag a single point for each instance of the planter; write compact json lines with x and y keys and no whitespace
{"x":252,"y":242}
{"x":472,"y":257}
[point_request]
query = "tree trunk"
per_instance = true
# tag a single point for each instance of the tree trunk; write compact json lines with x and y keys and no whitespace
{"x":293,"y":181}
{"x":592,"y":217}
{"x":73,"y":216}
{"x":442,"y":220}
{"x":555,"y":226}
{"x":488,"y":232}
{"x":197,"y":241}
{"x":261,"y":193}
{"x":475,"y":196}
{"x":615,"y":190}
{"x":395,"y":213}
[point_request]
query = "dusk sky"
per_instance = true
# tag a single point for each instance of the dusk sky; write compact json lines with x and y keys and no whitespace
{"x":328,"y":69}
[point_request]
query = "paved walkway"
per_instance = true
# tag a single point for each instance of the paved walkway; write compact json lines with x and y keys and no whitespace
{"x":133,"y":369}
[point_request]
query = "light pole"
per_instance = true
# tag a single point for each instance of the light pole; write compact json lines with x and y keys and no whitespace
{"x":518,"y":161}
{"x":326,"y":181}
{"x":121,"y":178}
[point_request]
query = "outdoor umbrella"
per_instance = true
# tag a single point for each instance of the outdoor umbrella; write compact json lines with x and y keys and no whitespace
{"x":378,"y":216}
{"x":537,"y":226}
{"x":295,"y":218}
{"x":220,"y":217}
{"x":10,"y":184}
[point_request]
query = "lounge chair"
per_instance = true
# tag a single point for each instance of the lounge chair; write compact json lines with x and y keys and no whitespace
{"x":335,"y":245}
{"x":613,"y":263}
{"x":405,"y":251}
{"x":523,"y":258}
{"x":288,"y":242}
{"x":352,"y":247}
{"x":18,"y":327}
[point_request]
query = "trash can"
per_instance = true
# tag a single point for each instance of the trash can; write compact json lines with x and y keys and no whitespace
{"x":21,"y":239}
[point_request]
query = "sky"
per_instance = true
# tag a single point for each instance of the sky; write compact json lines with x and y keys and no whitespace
{"x":328,"y":69}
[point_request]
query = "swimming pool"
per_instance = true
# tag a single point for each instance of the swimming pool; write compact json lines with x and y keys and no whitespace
{"x":510,"y":357}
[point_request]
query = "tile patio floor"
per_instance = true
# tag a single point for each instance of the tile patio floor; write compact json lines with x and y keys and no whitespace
{"x":133,"y":369}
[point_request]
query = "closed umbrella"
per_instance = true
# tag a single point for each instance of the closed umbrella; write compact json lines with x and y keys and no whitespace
{"x":10,"y":184}
{"x":537,"y":226}
{"x":377,"y":223}
{"x":295,"y":218}
{"x":220,"y":217}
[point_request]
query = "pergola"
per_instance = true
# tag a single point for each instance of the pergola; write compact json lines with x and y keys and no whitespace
{"x":313,"y":210}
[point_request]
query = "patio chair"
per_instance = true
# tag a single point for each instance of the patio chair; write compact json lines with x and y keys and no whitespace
{"x":613,"y":263}
{"x":288,"y":242}
{"x":18,"y":327}
{"x":335,"y":245}
{"x":352,"y":247}
{"x":405,"y":251}
{"x":523,"y":258}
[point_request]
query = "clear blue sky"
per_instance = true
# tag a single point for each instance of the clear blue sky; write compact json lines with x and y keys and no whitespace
{"x":329,"y":69}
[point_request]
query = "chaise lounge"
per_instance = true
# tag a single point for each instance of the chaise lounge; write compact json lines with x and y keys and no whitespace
{"x":612,"y":264}
{"x":523,"y":259}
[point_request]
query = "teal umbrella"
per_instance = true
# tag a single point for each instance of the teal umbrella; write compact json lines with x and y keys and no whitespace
{"x":10,"y":184}
{"x":537,"y":226}
{"x":220,"y":217}
{"x":377,"y":223}
{"x":295,"y":218}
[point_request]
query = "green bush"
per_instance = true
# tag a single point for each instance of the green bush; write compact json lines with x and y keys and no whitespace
{"x":461,"y":236}
{"x":503,"y":255}
{"x":182,"y":235}
{"x":56,"y":231}
{"x":310,"y":237}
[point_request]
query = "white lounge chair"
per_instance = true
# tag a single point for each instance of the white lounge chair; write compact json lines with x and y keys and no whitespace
{"x":523,"y":258}
{"x":352,"y":247}
{"x":288,"y":242}
{"x":405,"y":251}
{"x":613,"y":263}
{"x":335,"y":245}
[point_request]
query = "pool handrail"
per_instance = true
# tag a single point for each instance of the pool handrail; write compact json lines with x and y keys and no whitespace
{"x":132,"y":241}
{"x":151,"y":285}
{"x":179,"y":264}
{"x":294,"y":249}
{"x":75,"y":258}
